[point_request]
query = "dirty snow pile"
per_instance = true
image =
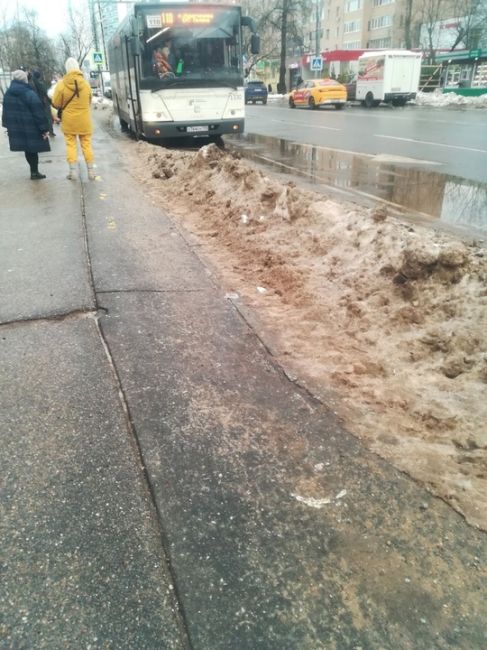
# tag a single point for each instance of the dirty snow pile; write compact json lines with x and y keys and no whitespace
{"x":440,"y":100}
{"x":384,"y":321}
{"x":101,"y":103}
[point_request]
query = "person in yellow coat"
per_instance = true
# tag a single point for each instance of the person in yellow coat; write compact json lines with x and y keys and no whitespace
{"x":72,"y":95}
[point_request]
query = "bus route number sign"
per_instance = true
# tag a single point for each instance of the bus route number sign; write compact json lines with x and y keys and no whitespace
{"x":181,"y":18}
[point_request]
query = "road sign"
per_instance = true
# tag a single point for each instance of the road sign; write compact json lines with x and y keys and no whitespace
{"x":316,"y":64}
{"x":98,"y":58}
{"x":474,"y":54}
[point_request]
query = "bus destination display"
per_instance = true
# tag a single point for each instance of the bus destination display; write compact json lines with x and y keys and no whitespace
{"x":180,"y":18}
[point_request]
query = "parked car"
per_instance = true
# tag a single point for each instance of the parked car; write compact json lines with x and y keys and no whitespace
{"x":255,"y":91}
{"x":318,"y":92}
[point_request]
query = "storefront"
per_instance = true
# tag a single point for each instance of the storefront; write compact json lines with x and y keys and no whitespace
{"x":339,"y":64}
{"x":342,"y":64}
{"x":464,"y":73}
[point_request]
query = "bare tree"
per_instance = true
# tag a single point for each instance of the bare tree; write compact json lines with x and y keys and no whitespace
{"x":23,"y":43}
{"x":431,"y":13}
{"x":269,"y":35}
{"x":282,"y":23}
{"x":408,"y":19}
{"x":471,"y":18}
{"x":77,"y":41}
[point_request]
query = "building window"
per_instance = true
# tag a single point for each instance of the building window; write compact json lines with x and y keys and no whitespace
{"x":327,"y":34}
{"x":379,"y":43}
{"x":381,"y":3}
{"x":353,"y":5}
{"x":352,"y":45}
{"x":380,"y":22}
{"x":351,"y":26}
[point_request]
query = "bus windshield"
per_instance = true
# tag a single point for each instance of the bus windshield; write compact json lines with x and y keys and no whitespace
{"x":190,"y":46}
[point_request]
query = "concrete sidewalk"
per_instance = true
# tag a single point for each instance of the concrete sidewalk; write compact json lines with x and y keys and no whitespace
{"x":161,"y":474}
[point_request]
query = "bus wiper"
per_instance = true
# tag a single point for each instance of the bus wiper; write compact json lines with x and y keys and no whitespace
{"x":169,"y":83}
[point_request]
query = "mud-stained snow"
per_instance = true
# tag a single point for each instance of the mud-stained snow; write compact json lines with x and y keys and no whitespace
{"x":385,"y":321}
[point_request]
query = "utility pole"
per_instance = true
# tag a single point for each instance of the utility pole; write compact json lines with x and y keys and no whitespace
{"x":317,"y":32}
{"x":102,"y":32}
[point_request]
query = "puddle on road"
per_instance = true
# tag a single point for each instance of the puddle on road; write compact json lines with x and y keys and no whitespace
{"x":452,"y":200}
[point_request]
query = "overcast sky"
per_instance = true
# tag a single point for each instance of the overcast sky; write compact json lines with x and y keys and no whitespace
{"x":51,"y":15}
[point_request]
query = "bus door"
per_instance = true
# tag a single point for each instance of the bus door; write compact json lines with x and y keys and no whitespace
{"x":133,"y":85}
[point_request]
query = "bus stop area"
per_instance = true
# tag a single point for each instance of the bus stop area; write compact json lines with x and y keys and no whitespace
{"x":165,"y":483}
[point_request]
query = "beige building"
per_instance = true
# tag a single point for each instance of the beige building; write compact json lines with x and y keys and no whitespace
{"x":340,"y":25}
{"x":377,"y":24}
{"x":363,"y":24}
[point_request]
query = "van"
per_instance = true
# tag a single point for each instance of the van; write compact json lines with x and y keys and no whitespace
{"x":390,"y":76}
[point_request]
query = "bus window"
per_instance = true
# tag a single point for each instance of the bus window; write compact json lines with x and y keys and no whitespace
{"x":193,"y":47}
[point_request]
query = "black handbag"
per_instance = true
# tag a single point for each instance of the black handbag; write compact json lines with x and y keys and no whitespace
{"x":76,"y":94}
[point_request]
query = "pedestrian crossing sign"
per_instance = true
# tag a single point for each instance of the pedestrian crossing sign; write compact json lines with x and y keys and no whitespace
{"x":98,"y":58}
{"x":316,"y":64}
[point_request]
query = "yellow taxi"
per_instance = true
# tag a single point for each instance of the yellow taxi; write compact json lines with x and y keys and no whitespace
{"x":314,"y":93}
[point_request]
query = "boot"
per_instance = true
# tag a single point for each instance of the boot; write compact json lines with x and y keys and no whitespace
{"x":72,"y":172}
{"x":91,"y":172}
{"x":36,"y":176}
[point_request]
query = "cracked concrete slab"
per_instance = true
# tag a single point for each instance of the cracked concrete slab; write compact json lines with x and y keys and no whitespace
{"x":42,"y":243}
{"x":83,"y":563}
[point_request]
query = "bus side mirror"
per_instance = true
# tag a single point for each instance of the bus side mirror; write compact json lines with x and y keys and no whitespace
{"x":255,"y":44}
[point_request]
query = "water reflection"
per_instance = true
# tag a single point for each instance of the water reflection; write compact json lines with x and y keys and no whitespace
{"x":450,"y":199}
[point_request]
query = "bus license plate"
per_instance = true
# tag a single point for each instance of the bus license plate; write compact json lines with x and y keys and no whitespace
{"x":197,"y":129}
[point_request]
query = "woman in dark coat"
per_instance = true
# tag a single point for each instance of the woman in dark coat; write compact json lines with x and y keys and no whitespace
{"x":26,"y":121}
{"x":41,"y":89}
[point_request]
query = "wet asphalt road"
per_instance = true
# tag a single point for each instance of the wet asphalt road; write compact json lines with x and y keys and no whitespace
{"x":159,"y":468}
{"x":453,"y":140}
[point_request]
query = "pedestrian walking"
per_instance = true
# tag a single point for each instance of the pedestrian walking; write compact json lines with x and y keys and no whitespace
{"x":72,"y":98}
{"x":41,"y":89}
{"x":26,"y":122}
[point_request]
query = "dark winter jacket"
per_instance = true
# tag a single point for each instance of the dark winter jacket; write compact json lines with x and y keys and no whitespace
{"x":40,"y":87}
{"x":25,"y":119}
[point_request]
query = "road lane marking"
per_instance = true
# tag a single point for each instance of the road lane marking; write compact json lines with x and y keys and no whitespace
{"x":435,"y":144}
{"x":366,"y":114}
{"x":308,"y":126}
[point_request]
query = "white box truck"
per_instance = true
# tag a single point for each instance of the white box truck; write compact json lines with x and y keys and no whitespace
{"x":388,"y":76}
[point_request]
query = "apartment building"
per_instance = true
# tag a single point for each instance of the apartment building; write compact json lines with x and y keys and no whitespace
{"x":338,"y":25}
{"x":362,"y":24}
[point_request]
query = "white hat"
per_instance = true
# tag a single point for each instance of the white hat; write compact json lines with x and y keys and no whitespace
{"x":71,"y":64}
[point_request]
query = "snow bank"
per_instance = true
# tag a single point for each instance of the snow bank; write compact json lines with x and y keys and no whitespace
{"x":391,"y":317}
{"x":439,"y":99}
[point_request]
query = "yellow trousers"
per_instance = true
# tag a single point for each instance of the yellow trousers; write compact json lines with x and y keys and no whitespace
{"x":72,"y":147}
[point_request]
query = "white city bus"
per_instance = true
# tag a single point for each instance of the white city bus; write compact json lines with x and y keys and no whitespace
{"x":177,"y":70}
